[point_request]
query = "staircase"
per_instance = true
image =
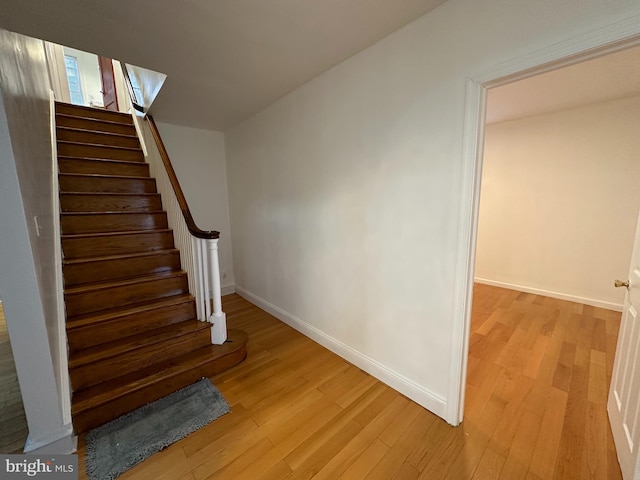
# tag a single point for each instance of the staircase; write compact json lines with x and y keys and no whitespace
{"x":132,"y":328}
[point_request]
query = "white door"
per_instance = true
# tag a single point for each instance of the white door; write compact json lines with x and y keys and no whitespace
{"x":624,"y":395}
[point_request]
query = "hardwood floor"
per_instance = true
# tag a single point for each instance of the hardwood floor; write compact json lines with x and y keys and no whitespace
{"x":13,"y":424}
{"x":539,"y":372}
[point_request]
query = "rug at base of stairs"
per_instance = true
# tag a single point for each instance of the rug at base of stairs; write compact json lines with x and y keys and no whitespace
{"x":115,"y":447}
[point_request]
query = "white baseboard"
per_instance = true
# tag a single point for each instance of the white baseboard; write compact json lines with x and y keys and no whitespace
{"x":395,"y":380}
{"x":546,"y":293}
{"x":228,"y":289}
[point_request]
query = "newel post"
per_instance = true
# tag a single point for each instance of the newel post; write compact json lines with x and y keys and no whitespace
{"x":218,"y":318}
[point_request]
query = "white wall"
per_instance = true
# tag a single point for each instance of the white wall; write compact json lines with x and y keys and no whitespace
{"x":198,"y":158}
{"x":345,"y":195}
{"x":27,"y":259}
{"x":560,"y":202}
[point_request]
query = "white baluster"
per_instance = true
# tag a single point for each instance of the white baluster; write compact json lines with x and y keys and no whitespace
{"x":197,"y":272}
{"x":219,"y":319}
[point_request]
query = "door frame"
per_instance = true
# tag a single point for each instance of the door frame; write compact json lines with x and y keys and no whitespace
{"x":588,"y":45}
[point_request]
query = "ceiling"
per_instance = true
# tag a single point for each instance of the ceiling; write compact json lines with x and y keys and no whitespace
{"x":225,"y":60}
{"x":605,"y":78}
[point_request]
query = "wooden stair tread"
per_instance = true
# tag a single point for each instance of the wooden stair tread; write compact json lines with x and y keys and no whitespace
{"x":100,"y":145}
{"x":81,"y":260}
{"x":131,"y":282}
{"x":113,"y":234}
{"x":104,"y":392}
{"x":82,"y":111}
{"x":113,"y":349}
{"x":102,"y":160}
{"x":107,"y":134}
{"x":92,"y":119}
{"x":101,"y":175}
{"x":113,"y":194}
{"x":112,"y":212}
{"x":81,"y":321}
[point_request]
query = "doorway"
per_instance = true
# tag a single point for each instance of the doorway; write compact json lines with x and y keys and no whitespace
{"x":13,"y":424}
{"x":476,"y":101}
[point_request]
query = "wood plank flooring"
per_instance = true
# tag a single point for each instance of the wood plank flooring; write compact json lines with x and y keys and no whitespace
{"x":539,"y":371}
{"x":13,"y":424}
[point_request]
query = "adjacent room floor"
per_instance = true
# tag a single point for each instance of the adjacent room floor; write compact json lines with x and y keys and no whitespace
{"x":13,"y":425}
{"x":539,"y":372}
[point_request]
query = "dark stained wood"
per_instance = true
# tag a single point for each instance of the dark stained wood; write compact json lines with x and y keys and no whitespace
{"x":99,"y":269}
{"x":108,"y":400}
{"x":94,"y":297}
{"x":78,"y":135}
{"x":109,"y":96}
{"x":102,"y":167}
{"x":109,"y":202}
{"x":182,"y":201}
{"x":77,"y":223}
{"x":106,"y":361}
{"x":98,"y":244}
{"x":71,"y":182}
{"x":86,"y":150}
{"x":93,"y":124}
{"x":84,"y":331}
{"x":93,"y":113}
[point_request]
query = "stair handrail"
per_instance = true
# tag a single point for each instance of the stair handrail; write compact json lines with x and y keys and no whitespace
{"x":198,"y":248}
{"x":184,"y":206}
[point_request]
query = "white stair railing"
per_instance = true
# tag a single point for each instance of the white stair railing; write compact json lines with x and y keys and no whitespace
{"x":198,"y":248}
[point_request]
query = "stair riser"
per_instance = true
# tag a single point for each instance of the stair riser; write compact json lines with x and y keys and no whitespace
{"x":116,"y":245}
{"x":103,"y":167}
{"x":88,"y":419}
{"x":107,"y":184}
{"x":96,"y":300}
{"x":133,"y":324}
{"x":110,"y":203}
{"x":86,"y":112}
{"x":96,"y":138}
{"x":100,"y":371}
{"x":78,"y":224}
{"x":97,"y":151}
{"x":95,"y":125}
{"x":103,"y":270}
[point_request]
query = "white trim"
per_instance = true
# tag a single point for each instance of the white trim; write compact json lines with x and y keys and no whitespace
{"x":589,"y":44}
{"x":136,"y":124}
{"x":61,"y":443}
{"x":549,"y":293}
{"x":407,"y":387}
{"x":227,"y":290}
{"x":63,"y":360}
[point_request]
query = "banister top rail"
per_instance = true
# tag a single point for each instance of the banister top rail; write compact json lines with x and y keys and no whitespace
{"x":182,"y":201}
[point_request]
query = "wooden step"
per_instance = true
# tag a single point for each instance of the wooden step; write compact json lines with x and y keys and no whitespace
{"x":96,"y":113}
{"x":102,"y":167}
{"x":107,"y":152}
{"x":92,"y":329}
{"x":81,"y":222}
{"x":78,"y":135}
{"x":101,"y":296}
{"x":100,"y":244}
{"x":101,"y":403}
{"x":114,"y":267}
{"x":103,"y":362}
{"x":109,"y":202}
{"x":95,"y":125}
{"x":71,"y":182}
